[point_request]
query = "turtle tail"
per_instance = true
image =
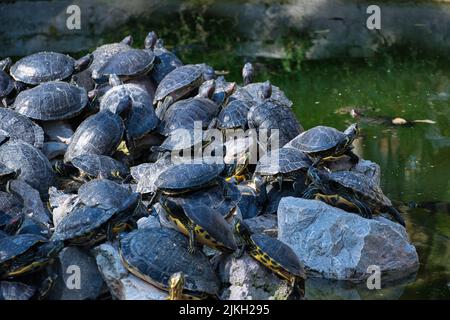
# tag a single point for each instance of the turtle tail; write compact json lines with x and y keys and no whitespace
{"x":396,"y":215}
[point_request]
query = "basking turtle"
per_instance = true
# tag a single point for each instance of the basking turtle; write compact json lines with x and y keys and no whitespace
{"x":154,"y":255}
{"x":47,"y":66}
{"x":19,"y":127}
{"x":26,"y":253}
{"x":102,"y":54}
{"x":322,"y":142}
{"x":200,"y":223}
{"x":271,"y":115}
{"x":141,"y":118}
{"x":29,"y":163}
{"x":234,"y":115}
{"x":129,"y":63}
{"x":177,"y":84}
{"x":186,"y":177}
{"x":351,"y":191}
{"x":165,"y":62}
{"x":273,"y":254}
{"x":100,"y":134}
{"x":89,"y":166}
{"x":54,"y":100}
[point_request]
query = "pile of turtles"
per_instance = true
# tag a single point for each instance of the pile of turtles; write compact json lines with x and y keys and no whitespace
{"x":90,"y":146}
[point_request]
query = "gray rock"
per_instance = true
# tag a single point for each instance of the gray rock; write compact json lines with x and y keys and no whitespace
{"x":148,"y":222}
{"x":342,"y":245}
{"x":73,"y":261}
{"x":266,"y":223}
{"x":249,"y":280}
{"x":122,"y":284}
{"x":31,"y":200}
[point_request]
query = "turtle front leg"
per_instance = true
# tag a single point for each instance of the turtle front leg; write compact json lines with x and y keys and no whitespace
{"x":191,"y":230}
{"x":354,"y":159}
{"x":298,"y":288}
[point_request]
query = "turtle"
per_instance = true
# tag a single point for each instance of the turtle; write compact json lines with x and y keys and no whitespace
{"x":155,"y":254}
{"x":248,"y":73}
{"x":19,"y":127}
{"x":322,"y":142}
{"x":128,"y":64}
{"x":352,"y":191}
{"x":30,"y":164}
{"x":185,"y":177}
{"x":88,"y":166}
{"x":12,"y":290}
{"x":234,"y":115}
{"x":272,"y":115}
{"x":47,"y":66}
{"x":26,"y":253}
{"x":100,"y":134}
{"x":55,"y":100}
{"x":6,"y":82}
{"x":165,"y":62}
{"x":177,"y":84}
{"x":200,"y":223}
{"x":103,"y":53}
{"x":223,"y":90}
{"x":282,"y":164}
{"x":141,"y":119}
{"x":273,"y":254}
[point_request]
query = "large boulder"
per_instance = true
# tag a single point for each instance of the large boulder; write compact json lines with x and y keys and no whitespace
{"x":341,"y":245}
{"x":122,"y":284}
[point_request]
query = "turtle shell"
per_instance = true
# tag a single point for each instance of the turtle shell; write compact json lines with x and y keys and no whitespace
{"x":147,"y":173}
{"x":6,"y":84}
{"x":360,"y":183}
{"x":142,"y":118}
{"x":271,"y":115}
{"x":280,"y":253}
{"x":165,"y":62}
{"x":31,"y":164}
{"x":102,"y":54}
{"x":184,"y":113}
{"x":42,"y":67}
{"x":101,"y":133}
{"x":20,"y":127}
{"x":80,"y":222}
{"x":179,"y":82}
{"x":126,"y":64}
{"x":14,"y":246}
{"x":154,"y":255}
{"x":289,"y":160}
{"x":95,"y":165}
{"x":188,"y":176}
{"x":51,"y":101}
{"x":317,"y":139}
{"x":107,"y":194}
{"x":277,"y":94}
{"x":234,"y":115}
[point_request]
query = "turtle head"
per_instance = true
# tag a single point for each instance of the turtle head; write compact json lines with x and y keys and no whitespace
{"x":352,"y":131}
{"x":150,"y":40}
{"x":247,"y":73}
{"x":176,"y":286}
{"x":82,"y":63}
{"x":207,"y":89}
{"x":128,"y":40}
{"x":5,"y":64}
{"x":124,"y":106}
{"x":265,"y":92}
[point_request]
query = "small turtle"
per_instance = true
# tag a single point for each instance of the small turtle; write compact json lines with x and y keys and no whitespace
{"x":185,"y":177}
{"x":234,"y":115}
{"x":54,"y":100}
{"x":20,"y":127}
{"x":200,"y":223}
{"x":47,"y":66}
{"x":88,"y":166}
{"x":87,"y":226}
{"x":100,"y":134}
{"x":141,"y":119}
{"x":26,"y":253}
{"x":165,"y":62}
{"x":155,"y":254}
{"x":273,"y":254}
{"x":177,"y":84}
{"x":6,"y":82}
{"x":271,"y":115}
{"x":129,"y":63}
{"x":103,"y":53}
{"x":31,"y":165}
{"x":322,"y":142}
{"x":351,"y":191}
